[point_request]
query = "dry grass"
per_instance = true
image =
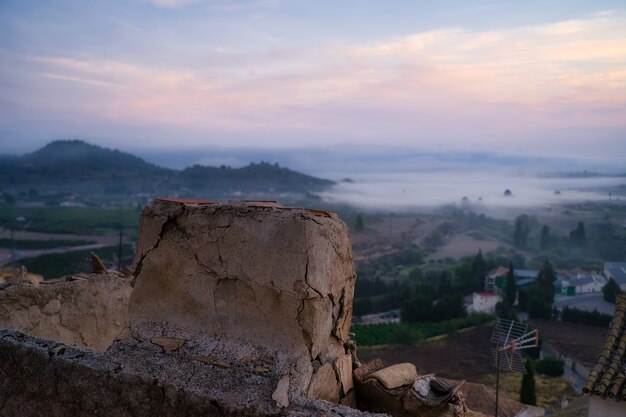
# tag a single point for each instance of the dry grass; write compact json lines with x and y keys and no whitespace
{"x":550,"y":391}
{"x":577,"y":408}
{"x":465,"y":244}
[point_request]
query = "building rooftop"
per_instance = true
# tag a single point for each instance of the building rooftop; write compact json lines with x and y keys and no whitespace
{"x":608,"y":376}
{"x":526,"y":273}
{"x":578,"y":281}
{"x":498,"y":272}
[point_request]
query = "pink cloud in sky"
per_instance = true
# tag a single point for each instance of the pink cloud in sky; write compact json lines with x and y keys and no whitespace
{"x":466,"y":83}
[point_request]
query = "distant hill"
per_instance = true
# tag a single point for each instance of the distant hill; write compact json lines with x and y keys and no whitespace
{"x":252,"y":177}
{"x":79,"y":167}
{"x":73,"y":160}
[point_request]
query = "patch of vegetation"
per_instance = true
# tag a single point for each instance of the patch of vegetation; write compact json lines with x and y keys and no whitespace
{"x":592,"y":318}
{"x":438,"y":236}
{"x":611,"y":291}
{"x":409,"y":333}
{"x":71,"y":220}
{"x":42,"y":244}
{"x":56,"y":265}
{"x":550,"y":391}
{"x":430,"y":292}
{"x":550,"y":366}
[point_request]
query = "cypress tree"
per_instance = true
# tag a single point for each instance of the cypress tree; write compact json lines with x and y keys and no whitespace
{"x":611,"y":291}
{"x":546,"y":278}
{"x":527,"y":393}
{"x":510,"y":289}
{"x":545,"y":237}
{"x":359,"y":225}
{"x":479,"y":270}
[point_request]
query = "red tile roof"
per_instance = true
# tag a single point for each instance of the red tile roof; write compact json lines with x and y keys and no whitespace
{"x":608,"y":376}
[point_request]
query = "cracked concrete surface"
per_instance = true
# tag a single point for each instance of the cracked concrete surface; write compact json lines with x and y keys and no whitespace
{"x":282,"y":279}
{"x":135,"y":378}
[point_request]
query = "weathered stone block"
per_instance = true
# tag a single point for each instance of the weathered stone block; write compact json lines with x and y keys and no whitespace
{"x":281,"y":279}
{"x":90,"y":311}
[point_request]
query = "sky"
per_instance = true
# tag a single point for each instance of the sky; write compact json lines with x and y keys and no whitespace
{"x":533,"y":77}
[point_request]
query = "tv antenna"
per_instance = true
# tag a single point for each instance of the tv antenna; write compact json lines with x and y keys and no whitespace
{"x":510,"y":337}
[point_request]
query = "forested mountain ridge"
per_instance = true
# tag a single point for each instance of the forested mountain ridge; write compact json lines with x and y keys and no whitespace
{"x":77,"y":166}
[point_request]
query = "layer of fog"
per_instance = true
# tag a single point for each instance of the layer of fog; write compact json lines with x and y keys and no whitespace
{"x":403,"y":179}
{"x":481,"y":191}
{"x":345,"y":161}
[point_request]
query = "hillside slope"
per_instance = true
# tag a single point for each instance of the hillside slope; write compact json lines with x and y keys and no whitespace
{"x":79,"y":167}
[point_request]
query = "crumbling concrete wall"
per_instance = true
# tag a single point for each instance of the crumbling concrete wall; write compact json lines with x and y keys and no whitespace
{"x":281,"y":279}
{"x":136,"y":378}
{"x":88,"y":310}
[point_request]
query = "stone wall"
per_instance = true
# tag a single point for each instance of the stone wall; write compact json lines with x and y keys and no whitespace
{"x":88,"y":310}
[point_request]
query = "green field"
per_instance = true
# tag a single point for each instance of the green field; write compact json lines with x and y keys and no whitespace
{"x":409,"y":333}
{"x":56,"y":265}
{"x":71,"y":220}
{"x":42,"y":244}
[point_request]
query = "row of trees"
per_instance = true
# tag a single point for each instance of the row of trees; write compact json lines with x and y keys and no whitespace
{"x":373,"y":294}
{"x":592,"y":318}
{"x":524,"y":224}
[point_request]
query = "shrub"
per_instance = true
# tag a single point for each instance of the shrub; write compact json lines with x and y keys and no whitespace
{"x":550,"y":366}
{"x":527,"y":390}
{"x":538,"y":308}
{"x":593,"y":318}
{"x":402,"y":335}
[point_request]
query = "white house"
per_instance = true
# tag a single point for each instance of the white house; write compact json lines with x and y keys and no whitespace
{"x":485,"y":302}
{"x":579,"y":282}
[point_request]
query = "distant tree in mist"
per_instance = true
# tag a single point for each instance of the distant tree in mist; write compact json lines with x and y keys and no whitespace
{"x":545,"y":237}
{"x":522,"y":229}
{"x":579,"y":235}
{"x":546,"y":278}
{"x":510,"y":289}
{"x":479,"y":270}
{"x":359,"y":225}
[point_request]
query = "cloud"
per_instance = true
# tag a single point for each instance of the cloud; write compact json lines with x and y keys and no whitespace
{"x":217,"y":5}
{"x":450,"y":84}
{"x":172,"y":3}
{"x":536,"y":66}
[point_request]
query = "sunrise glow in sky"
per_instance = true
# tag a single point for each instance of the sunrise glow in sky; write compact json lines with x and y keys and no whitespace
{"x":532,"y":76}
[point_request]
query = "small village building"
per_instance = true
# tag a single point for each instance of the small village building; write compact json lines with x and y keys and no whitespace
{"x":496,"y":279}
{"x":577,"y":282}
{"x":524,"y":277}
{"x":606,"y":381}
{"x":485,"y":302}
{"x":617,"y":271}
